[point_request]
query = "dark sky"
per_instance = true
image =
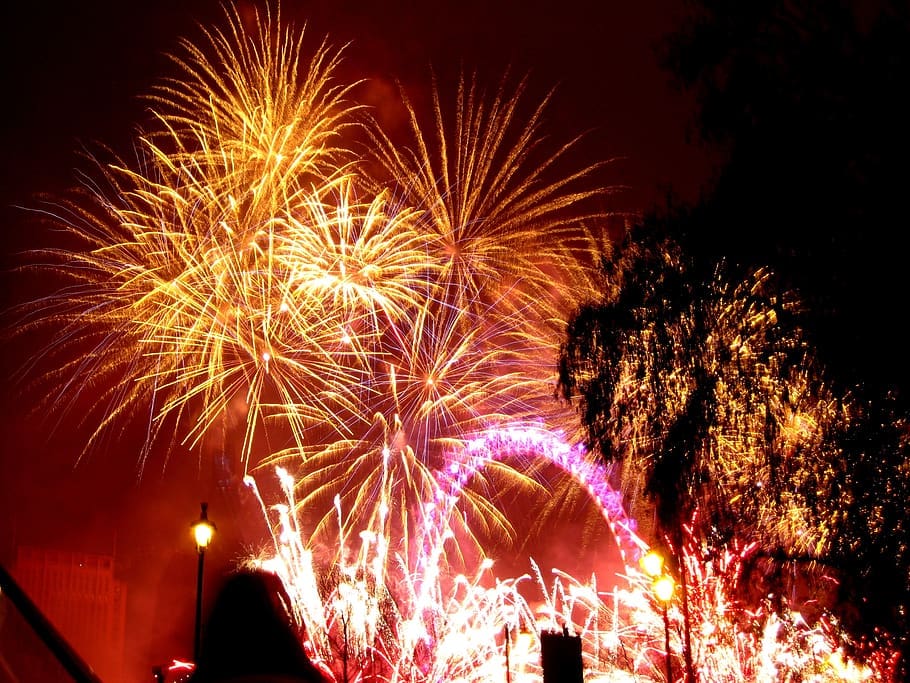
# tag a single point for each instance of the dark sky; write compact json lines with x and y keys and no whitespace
{"x":72,"y":73}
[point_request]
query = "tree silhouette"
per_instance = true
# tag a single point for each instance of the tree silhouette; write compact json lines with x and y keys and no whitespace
{"x":779,"y":422}
{"x":871,"y":543}
{"x":806,"y":99}
{"x":711,"y":400}
{"x":704,"y":390}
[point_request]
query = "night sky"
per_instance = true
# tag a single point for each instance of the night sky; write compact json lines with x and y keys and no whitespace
{"x":72,"y":73}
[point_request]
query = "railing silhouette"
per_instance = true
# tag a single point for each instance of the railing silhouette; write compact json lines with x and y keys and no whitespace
{"x":31,"y":648}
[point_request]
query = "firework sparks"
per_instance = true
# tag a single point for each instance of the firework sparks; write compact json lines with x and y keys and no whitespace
{"x":398,"y":613}
{"x":417,"y":619}
{"x":244,"y":279}
{"x":180,"y":297}
{"x":498,"y":212}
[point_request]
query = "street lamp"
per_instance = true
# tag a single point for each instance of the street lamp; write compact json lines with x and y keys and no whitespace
{"x":203,"y":533}
{"x":663,"y":587}
{"x":652,"y":562}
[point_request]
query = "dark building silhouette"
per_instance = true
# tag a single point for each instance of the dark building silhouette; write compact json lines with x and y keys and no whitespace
{"x":560,"y":656}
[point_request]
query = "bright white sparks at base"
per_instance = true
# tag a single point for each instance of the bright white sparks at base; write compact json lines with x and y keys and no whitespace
{"x":390,"y":612}
{"x":274,"y":278}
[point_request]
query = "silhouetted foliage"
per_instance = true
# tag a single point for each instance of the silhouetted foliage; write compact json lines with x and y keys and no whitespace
{"x":871,"y":546}
{"x":807,"y":99}
{"x":699,"y":385}
{"x":706,"y":393}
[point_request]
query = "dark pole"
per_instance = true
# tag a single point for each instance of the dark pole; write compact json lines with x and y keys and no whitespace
{"x":508,"y":666}
{"x":690,"y":671}
{"x":203,"y":531}
{"x":198,"y":630}
{"x":669,"y":663}
{"x":344,"y":653}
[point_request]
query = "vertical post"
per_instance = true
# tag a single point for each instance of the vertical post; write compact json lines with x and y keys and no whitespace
{"x":662,"y":587}
{"x":344,"y":653}
{"x":197,"y":636}
{"x":203,"y":532}
{"x":508,"y":666}
{"x":687,"y":646}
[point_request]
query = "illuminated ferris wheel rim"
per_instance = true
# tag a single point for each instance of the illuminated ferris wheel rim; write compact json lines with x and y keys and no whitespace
{"x":573,"y":459}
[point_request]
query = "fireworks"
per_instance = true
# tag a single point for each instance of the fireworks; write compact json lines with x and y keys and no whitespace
{"x":390,"y":603}
{"x":400,"y":613}
{"x":242,"y":275}
{"x":179,"y":290}
{"x":390,"y":337}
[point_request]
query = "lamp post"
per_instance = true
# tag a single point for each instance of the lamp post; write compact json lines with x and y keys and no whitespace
{"x":203,"y":533}
{"x":507,"y":633}
{"x":662,"y":586}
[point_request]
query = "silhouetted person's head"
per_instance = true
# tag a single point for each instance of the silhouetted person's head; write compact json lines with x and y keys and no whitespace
{"x":249,"y":635}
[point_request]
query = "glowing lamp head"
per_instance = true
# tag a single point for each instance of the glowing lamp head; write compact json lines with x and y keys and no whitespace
{"x":203,"y":529}
{"x":652,"y":563}
{"x":663,"y":588}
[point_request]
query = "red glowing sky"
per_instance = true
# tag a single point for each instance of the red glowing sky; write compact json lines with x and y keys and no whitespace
{"x":72,"y":73}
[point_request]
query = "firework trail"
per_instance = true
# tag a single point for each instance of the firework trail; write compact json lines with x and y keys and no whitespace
{"x":246,"y":94}
{"x":490,"y":190}
{"x":393,"y":609}
{"x":389,"y":338}
{"x":178,"y":293}
{"x":267,"y":291}
{"x":394,"y":605}
{"x":506,"y":222}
